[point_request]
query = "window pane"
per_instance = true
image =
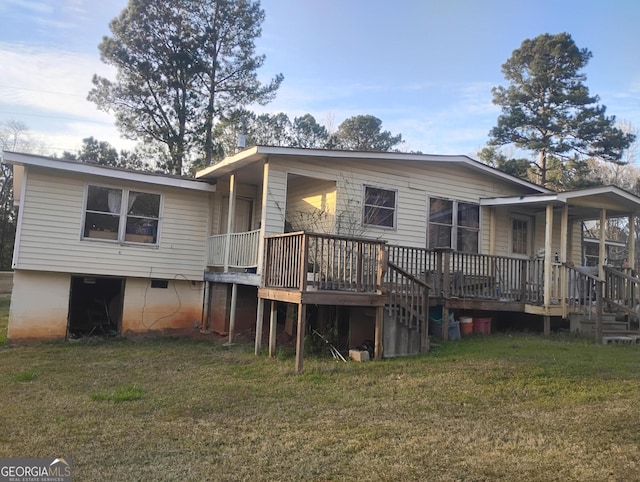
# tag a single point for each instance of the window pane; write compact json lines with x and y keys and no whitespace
{"x":144,"y":204}
{"x":378,"y":216}
{"x":102,"y":214}
{"x":441,"y":211}
{"x":520,"y":236}
{"x":101,"y":226}
{"x":467,"y":240}
{"x":469,"y":215}
{"x":104,"y":199}
{"x":380,"y":197}
{"x":439,"y":236}
{"x":141,"y":230}
{"x":379,"y":207}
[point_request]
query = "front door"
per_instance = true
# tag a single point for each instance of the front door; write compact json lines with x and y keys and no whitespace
{"x":243,"y":215}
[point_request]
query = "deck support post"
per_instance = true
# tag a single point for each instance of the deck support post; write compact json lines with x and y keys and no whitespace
{"x":259,"y":318}
{"x":302,"y":312}
{"x":232,"y":315}
{"x":599,"y":312}
{"x":547,"y":325}
{"x":445,"y":322}
{"x":378,"y":332}
{"x":424,"y":328}
{"x":273,"y":324}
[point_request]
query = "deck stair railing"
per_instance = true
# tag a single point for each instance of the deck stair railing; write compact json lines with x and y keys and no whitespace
{"x":408,"y":297}
{"x":312,"y":261}
{"x":622,"y":291}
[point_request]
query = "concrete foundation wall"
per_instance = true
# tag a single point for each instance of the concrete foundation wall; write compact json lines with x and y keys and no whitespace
{"x":39,"y":306}
{"x":147,"y":309}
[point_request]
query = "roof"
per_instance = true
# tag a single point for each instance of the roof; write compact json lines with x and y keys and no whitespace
{"x":260,"y":153}
{"x":584,"y":202}
{"x":21,"y":159}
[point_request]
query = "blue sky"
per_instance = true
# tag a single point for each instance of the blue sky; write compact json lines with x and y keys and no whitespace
{"x":425,"y":67}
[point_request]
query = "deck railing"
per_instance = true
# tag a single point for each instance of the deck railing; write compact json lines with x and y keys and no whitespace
{"x":242,"y":251}
{"x":480,"y":276}
{"x":305,"y":261}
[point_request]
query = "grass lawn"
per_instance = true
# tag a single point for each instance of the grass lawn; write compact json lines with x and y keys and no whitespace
{"x":500,"y":407}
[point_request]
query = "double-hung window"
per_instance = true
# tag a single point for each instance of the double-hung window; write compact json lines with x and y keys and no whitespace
{"x":454,"y":224}
{"x":122,"y":215}
{"x":379,"y":207}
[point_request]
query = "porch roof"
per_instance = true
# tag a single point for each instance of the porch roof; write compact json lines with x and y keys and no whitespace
{"x":583,"y":203}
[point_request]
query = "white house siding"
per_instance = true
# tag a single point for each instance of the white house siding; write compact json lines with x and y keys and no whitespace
{"x":148,"y":309}
{"x":52,"y":221}
{"x":414,"y":181}
{"x":39,"y":306}
{"x":273,"y":213}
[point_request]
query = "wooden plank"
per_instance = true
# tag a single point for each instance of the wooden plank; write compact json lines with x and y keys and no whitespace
{"x":288,"y":296}
{"x":247,"y":279}
{"x":302,"y":312}
{"x":342,"y":298}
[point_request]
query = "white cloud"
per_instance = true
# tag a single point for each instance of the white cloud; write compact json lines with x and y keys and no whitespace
{"x":47,"y":90}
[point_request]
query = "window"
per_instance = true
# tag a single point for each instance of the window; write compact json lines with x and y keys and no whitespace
{"x":454,"y":224}
{"x":379,"y":207}
{"x":521,"y":235}
{"x":121,"y":215}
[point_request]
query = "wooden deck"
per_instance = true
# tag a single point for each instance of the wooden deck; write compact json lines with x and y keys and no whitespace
{"x":317,"y":269}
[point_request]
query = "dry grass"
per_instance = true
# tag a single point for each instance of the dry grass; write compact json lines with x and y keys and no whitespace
{"x":495,"y":408}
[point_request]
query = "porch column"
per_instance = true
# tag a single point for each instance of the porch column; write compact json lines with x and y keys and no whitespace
{"x":548,"y":255}
{"x":230,"y":216}
{"x":564,"y":239}
{"x":273,"y":325}
{"x":302,"y":312}
{"x":263,"y":216}
{"x":492,"y":230}
{"x":259,"y":318}
{"x":632,"y":242}
{"x":602,"y":251}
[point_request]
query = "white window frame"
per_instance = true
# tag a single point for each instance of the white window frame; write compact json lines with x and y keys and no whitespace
{"x":454,"y":221}
{"x":364,"y":206}
{"x":123,"y":215}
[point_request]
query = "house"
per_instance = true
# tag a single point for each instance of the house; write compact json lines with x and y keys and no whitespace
{"x":102,"y":250}
{"x":274,"y":235}
{"x":474,"y":238}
